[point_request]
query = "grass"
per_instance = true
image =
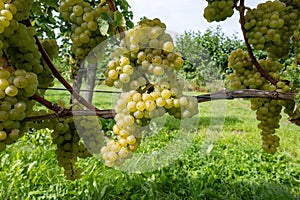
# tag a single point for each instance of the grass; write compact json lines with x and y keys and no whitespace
{"x":235,"y":168}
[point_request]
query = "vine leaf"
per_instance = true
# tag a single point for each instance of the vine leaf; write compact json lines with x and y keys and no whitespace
{"x":103,"y":26}
{"x":119,"y":20}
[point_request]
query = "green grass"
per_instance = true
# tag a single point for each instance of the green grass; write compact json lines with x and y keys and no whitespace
{"x":235,"y":168}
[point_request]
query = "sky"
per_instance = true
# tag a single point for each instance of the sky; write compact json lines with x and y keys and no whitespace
{"x":184,"y":15}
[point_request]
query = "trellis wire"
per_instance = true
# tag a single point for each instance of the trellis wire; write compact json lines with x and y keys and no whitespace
{"x":82,"y":90}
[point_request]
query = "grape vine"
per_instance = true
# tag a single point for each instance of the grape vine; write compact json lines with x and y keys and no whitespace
{"x":143,"y":65}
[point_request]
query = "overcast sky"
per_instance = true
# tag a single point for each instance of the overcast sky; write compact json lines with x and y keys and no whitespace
{"x":184,"y":15}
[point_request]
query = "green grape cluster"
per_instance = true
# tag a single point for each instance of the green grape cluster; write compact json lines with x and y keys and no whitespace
{"x":144,"y":67}
{"x":85,"y":30}
{"x":270,"y":26}
{"x":246,"y":76}
{"x":89,"y":128}
{"x":69,"y":147}
{"x":15,"y":89}
{"x":218,"y":10}
{"x":134,"y":112}
{"x":146,"y":46}
{"x":23,"y":8}
{"x":268,"y":113}
{"x":51,"y":47}
{"x":65,"y":135}
{"x":22,"y":51}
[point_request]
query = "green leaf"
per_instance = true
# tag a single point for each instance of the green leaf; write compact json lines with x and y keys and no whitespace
{"x":103,"y":26}
{"x":119,"y":20}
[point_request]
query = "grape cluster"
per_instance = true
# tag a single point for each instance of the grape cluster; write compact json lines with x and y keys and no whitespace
{"x":23,"y":8}
{"x":268,"y":113}
{"x":85,"y":30}
{"x":270,"y":27}
{"x":218,"y":10}
{"x":51,"y":47}
{"x":21,"y":49}
{"x":144,"y":67}
{"x":19,"y":44}
{"x":89,"y":128}
{"x":134,"y":112}
{"x":146,"y":46}
{"x":69,"y":147}
{"x":15,"y":89}
{"x":246,"y":76}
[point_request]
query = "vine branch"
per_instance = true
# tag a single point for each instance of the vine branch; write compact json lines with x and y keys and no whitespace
{"x":106,"y":114}
{"x":241,"y":9}
{"x":57,"y":75}
{"x":247,"y":93}
{"x":223,"y":94}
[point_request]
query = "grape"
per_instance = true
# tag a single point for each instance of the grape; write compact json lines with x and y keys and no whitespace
{"x":11,"y":91}
{"x":168,"y":46}
{"x":3,"y":135}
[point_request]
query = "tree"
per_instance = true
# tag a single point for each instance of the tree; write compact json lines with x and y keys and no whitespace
{"x":142,"y":63}
{"x":205,"y":53}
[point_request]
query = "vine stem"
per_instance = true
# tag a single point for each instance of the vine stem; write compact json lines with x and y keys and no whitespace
{"x":57,"y":74}
{"x":247,"y":93}
{"x":241,"y":9}
{"x":46,"y":103}
{"x":220,"y":95}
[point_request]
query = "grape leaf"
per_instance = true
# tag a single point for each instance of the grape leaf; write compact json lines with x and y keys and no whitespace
{"x":119,"y":20}
{"x":103,"y":26}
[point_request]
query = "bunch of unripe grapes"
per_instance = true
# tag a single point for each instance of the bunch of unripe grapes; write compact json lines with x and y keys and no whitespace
{"x":218,"y":10}
{"x":69,"y":147}
{"x":89,"y":128}
{"x":20,"y":47}
{"x":270,"y":26}
{"x":145,"y":48}
{"x":15,"y":89}
{"x":144,"y":67}
{"x":51,"y":47}
{"x":85,"y":30}
{"x":246,"y":76}
{"x":134,"y":112}
{"x":268,"y":113}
